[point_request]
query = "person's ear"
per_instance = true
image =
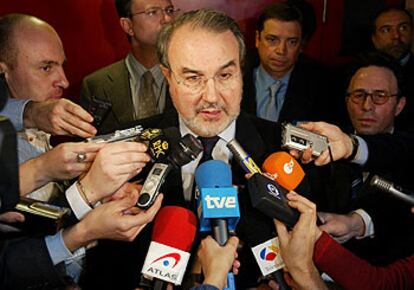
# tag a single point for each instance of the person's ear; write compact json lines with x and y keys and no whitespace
{"x":166,"y":72}
{"x":3,"y":67}
{"x":257,"y":38}
{"x":400,"y":106}
{"x":126,"y":25}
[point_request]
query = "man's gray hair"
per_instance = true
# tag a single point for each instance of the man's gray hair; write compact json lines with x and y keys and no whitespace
{"x":208,"y":19}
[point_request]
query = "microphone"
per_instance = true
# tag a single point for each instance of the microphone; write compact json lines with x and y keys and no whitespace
{"x":260,"y":236}
{"x":218,"y":206}
{"x":244,"y":159}
{"x":266,"y":195}
{"x":172,"y":237}
{"x":269,"y":197}
{"x":392,"y":189}
{"x":284,"y":169}
{"x":183,"y":151}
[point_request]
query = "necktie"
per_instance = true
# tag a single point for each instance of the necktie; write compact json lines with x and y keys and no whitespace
{"x":146,"y":107}
{"x":357,"y":182}
{"x":271,"y":107}
{"x":208,"y":145}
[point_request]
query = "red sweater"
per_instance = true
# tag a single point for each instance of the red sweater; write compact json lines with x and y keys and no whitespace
{"x":351,"y":272}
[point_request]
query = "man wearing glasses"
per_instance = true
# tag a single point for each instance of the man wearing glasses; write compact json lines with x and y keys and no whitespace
{"x":201,"y":53}
{"x":373,"y":101}
{"x":134,"y":86}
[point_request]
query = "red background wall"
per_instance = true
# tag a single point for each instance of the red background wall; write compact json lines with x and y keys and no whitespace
{"x":92,"y":37}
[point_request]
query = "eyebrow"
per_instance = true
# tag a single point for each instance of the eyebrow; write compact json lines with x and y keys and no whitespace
{"x":226,"y":65}
{"x":398,"y":24}
{"x":52,"y":62}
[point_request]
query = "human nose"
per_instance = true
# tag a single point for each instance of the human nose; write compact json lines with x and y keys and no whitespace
{"x":280,"y":48}
{"x":395,"y":33}
{"x":166,"y":18}
{"x":62,"y":81}
{"x":210,"y":93}
{"x":367,"y":103}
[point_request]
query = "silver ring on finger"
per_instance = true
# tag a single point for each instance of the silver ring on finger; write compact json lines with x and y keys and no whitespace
{"x":81,"y":157}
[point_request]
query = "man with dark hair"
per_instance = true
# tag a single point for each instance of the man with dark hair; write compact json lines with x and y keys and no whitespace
{"x":392,"y":33}
{"x":373,"y":101}
{"x":283,"y":84}
{"x":134,"y":86}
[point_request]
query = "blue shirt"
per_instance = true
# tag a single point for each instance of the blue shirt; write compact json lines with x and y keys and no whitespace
{"x":263,"y":81}
{"x":60,"y":253}
{"x":14,"y":110}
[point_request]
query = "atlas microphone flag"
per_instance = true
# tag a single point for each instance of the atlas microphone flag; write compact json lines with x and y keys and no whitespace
{"x":172,"y":237}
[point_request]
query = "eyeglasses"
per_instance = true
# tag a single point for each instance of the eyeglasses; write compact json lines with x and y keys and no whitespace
{"x":378,"y":97}
{"x":196,"y":83}
{"x":156,"y":12}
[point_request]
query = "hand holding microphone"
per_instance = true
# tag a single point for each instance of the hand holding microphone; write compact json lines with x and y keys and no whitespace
{"x":218,"y":206}
{"x":216,"y":261}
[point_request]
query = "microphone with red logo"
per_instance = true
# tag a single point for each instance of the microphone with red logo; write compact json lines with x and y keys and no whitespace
{"x":172,"y":237}
{"x":261,"y":237}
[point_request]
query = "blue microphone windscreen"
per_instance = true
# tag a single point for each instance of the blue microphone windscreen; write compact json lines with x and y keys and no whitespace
{"x":213,"y":173}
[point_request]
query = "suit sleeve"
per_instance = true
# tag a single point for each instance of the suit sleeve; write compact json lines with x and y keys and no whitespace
{"x":85,"y":94}
{"x":25,"y":263}
{"x":389,"y":152}
{"x":351,"y":272}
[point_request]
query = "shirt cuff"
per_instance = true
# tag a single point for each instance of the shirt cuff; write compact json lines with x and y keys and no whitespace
{"x":369,"y":225}
{"x":78,"y":205}
{"x":58,"y":250}
{"x":361,"y":156}
{"x":14,"y":110}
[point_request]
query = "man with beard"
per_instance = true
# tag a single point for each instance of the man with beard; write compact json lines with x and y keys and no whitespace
{"x":201,"y":53}
{"x":392,"y":33}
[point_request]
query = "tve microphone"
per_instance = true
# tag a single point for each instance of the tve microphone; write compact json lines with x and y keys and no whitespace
{"x":218,"y":206}
{"x":184,"y":150}
{"x":244,"y":159}
{"x":284,"y":169}
{"x":172,"y":237}
{"x":394,"y":190}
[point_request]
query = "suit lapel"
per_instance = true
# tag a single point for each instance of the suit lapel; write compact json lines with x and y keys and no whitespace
{"x":118,"y":91}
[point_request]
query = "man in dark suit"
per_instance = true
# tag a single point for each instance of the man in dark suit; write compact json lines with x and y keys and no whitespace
{"x":373,"y":101}
{"x":281,"y":83}
{"x":201,"y":54}
{"x":134,"y":86}
{"x":392,"y":33}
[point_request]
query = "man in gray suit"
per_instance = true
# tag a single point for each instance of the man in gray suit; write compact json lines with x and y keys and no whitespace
{"x":134,"y":86}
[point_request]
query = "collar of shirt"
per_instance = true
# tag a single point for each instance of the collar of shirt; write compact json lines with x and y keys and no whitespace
{"x":220,"y":152}
{"x":405,"y":59}
{"x":263,"y":81}
{"x":136,"y":70}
